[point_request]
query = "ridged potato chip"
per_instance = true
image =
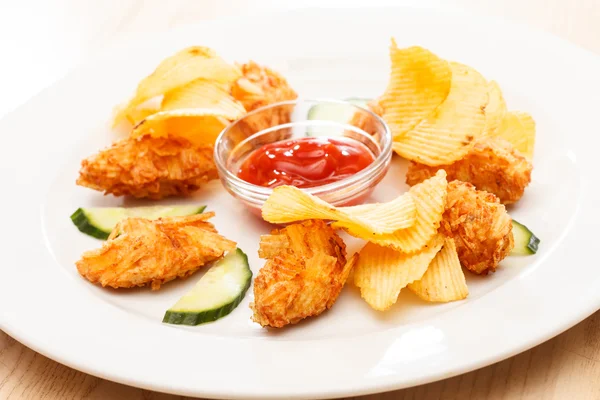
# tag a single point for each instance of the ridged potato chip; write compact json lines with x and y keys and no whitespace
{"x":381,"y":273}
{"x":419,"y":82}
{"x":430,"y":199}
{"x":290,"y":204}
{"x":200,"y":126}
{"x":444,"y":279}
{"x":137,"y":115}
{"x":391,"y":216}
{"x":518,"y":128}
{"x":350,"y":267}
{"x":198,"y":112}
{"x":177,"y":70}
{"x":202,"y":94}
{"x":448,"y":134}
{"x":495,"y":109}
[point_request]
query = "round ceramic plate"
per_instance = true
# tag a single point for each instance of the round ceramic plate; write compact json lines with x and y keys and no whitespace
{"x":351,"y":349}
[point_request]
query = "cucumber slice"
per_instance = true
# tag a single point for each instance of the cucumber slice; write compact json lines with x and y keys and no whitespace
{"x":358,"y":101}
{"x":100,"y":221}
{"x":525,"y":241}
{"x":332,"y":112}
{"x":216,"y":294}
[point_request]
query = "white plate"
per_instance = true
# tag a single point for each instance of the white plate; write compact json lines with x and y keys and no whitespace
{"x":350,"y":350}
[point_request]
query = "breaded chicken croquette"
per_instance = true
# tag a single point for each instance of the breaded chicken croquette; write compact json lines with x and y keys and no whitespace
{"x":479,"y":225}
{"x":365,"y":121}
{"x":305,"y":271}
{"x":492,"y":165}
{"x":260,"y":86}
{"x":142,"y":252}
{"x":148,"y":167}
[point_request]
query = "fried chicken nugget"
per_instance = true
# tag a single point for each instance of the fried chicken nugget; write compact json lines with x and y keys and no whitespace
{"x":493,"y":165}
{"x":305,"y":271}
{"x":367,"y":122}
{"x":260,"y":86}
{"x":139,"y":251}
{"x":479,"y":225}
{"x":148,"y":167}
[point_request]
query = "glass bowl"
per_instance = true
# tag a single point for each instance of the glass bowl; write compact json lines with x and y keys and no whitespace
{"x":297,"y":119}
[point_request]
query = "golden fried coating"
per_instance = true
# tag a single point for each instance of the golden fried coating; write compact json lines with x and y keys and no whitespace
{"x":305,"y":271}
{"x":366,"y":122}
{"x":260,"y":86}
{"x":141,"y":252}
{"x":492,"y":165}
{"x":148,"y":167}
{"x":479,"y":225}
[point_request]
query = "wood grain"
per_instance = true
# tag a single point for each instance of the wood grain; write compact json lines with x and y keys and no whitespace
{"x":566,"y":367}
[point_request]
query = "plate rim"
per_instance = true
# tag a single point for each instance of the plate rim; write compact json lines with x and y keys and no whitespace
{"x":29,"y":340}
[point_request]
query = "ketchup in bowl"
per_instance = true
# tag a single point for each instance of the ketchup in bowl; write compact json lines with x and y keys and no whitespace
{"x":305,"y":162}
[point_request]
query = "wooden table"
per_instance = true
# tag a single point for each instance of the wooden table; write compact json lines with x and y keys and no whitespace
{"x":42,"y":40}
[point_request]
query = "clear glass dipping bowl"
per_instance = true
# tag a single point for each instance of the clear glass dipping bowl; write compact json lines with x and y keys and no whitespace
{"x":290,"y":120}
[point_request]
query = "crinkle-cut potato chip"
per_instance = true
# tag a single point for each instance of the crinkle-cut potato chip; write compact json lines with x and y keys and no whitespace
{"x":137,"y":115}
{"x":202,"y":94}
{"x":200,"y":126}
{"x":290,"y":204}
{"x":381,"y":273}
{"x":197,"y":111}
{"x":430,"y":200}
{"x":419,"y":82}
{"x":518,"y":128}
{"x":392,"y":215}
{"x":448,"y":134}
{"x":177,"y":70}
{"x":495,"y":109}
{"x":444,"y":280}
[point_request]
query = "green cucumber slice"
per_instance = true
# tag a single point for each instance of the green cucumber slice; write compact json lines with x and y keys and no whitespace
{"x":100,"y":221}
{"x":332,"y":112}
{"x":216,"y":294}
{"x":525,"y":241}
{"x":358,"y":101}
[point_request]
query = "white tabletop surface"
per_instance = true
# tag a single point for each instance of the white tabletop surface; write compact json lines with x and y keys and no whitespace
{"x":41,"y":40}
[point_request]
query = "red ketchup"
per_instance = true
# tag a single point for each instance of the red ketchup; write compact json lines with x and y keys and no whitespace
{"x":305,"y":162}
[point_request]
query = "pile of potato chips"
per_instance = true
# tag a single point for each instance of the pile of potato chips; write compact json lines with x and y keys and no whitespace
{"x":195,"y":86}
{"x":404,"y":247}
{"x":437,"y":109}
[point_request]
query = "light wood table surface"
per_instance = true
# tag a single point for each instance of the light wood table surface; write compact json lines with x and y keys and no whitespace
{"x":42,"y":40}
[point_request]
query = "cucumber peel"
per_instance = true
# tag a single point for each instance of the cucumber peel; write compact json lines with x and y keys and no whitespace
{"x":216,"y":294}
{"x":526,"y":242}
{"x":99,"y":222}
